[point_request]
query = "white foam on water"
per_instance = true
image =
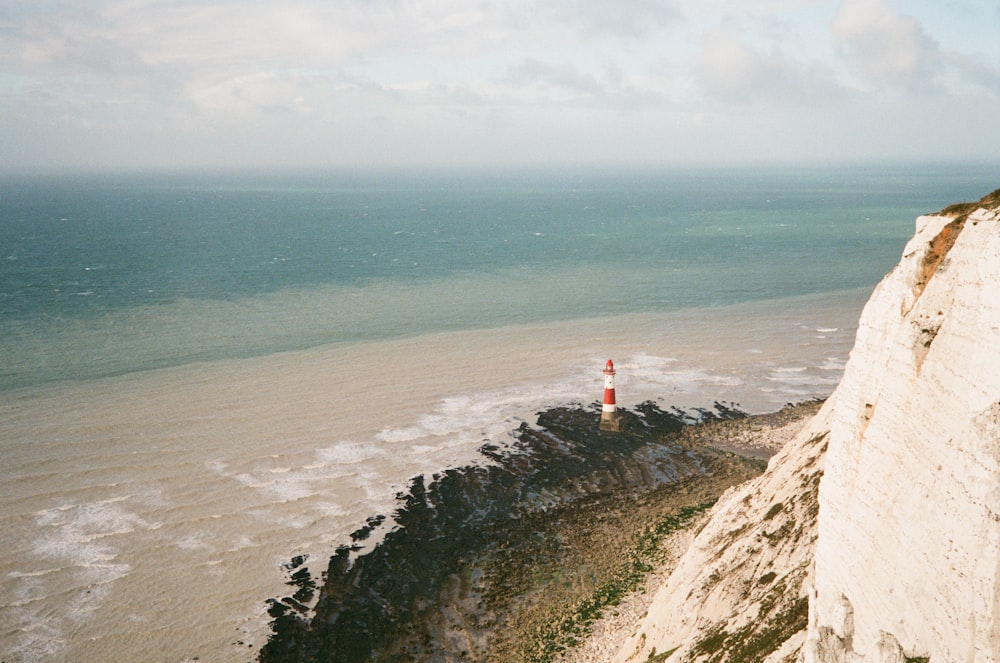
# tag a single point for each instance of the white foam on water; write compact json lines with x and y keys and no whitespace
{"x":347,"y":452}
{"x":241,"y":464}
{"x":34,"y":574}
{"x":69,"y":532}
{"x":665,"y":376}
{"x":194,"y":543}
{"x":833,"y":364}
{"x":473,"y":417}
{"x":85,"y":540}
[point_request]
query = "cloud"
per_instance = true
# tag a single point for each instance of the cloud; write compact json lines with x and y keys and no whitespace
{"x":888,"y":48}
{"x":534,"y":73}
{"x":216,"y":56}
{"x":260,"y":91}
{"x":731,"y":70}
{"x":624,"y":18}
{"x":228,"y":80}
{"x":71,"y":41}
{"x":977,"y":72}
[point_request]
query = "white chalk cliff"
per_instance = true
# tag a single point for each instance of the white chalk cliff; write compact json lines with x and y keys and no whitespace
{"x":902,"y":562}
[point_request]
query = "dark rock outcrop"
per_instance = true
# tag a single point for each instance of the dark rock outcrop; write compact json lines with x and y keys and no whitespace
{"x":508,"y":560}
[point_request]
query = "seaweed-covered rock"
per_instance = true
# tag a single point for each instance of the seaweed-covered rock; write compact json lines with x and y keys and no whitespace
{"x":547,"y":533}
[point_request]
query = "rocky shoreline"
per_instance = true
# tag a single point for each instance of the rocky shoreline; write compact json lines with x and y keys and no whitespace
{"x":755,"y":436}
{"x":539,"y":555}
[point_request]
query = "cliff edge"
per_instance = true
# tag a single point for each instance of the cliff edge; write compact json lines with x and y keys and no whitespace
{"x":875,"y":534}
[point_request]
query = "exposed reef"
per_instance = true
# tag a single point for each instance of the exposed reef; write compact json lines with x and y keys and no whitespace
{"x":514,"y":559}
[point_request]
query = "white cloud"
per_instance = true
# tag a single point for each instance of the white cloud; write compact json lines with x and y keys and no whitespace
{"x":977,"y":72}
{"x":887,"y":47}
{"x":733,"y":71}
{"x":728,"y":65}
{"x":624,"y":18}
{"x":341,"y":80}
{"x":254,"y":92}
{"x":533,"y":72}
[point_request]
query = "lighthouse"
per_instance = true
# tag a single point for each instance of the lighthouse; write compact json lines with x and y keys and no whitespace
{"x":609,"y":411}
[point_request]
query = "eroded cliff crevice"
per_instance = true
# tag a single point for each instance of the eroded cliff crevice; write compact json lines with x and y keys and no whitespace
{"x":834,"y":643}
{"x":936,"y":253}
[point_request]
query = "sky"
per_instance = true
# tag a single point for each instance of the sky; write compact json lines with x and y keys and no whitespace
{"x":132,"y":84}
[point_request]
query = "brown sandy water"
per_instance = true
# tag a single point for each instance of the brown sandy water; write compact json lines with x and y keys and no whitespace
{"x":146,"y":517}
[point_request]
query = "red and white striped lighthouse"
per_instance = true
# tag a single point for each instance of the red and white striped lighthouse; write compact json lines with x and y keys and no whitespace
{"x":609,"y":411}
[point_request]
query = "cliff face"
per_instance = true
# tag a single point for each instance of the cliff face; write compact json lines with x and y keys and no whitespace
{"x":907,"y":563}
{"x":903,"y":561}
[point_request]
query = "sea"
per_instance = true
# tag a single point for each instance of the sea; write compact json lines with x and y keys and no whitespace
{"x":204,"y":374}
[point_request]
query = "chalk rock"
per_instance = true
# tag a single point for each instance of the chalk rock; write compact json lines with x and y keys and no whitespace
{"x":909,"y":521}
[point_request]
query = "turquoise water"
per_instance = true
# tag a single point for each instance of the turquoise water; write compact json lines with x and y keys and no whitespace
{"x":324,"y":337}
{"x":105,"y":275}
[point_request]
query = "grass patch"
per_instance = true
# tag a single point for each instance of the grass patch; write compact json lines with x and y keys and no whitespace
{"x":767,"y":578}
{"x":773,"y":511}
{"x":659,"y":658}
{"x":566,"y":633}
{"x":962,"y":209}
{"x":755,"y":641}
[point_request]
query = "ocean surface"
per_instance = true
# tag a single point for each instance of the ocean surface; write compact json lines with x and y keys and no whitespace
{"x":204,"y":374}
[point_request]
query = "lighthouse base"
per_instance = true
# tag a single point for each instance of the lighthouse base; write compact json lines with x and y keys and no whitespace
{"x":610,"y":421}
